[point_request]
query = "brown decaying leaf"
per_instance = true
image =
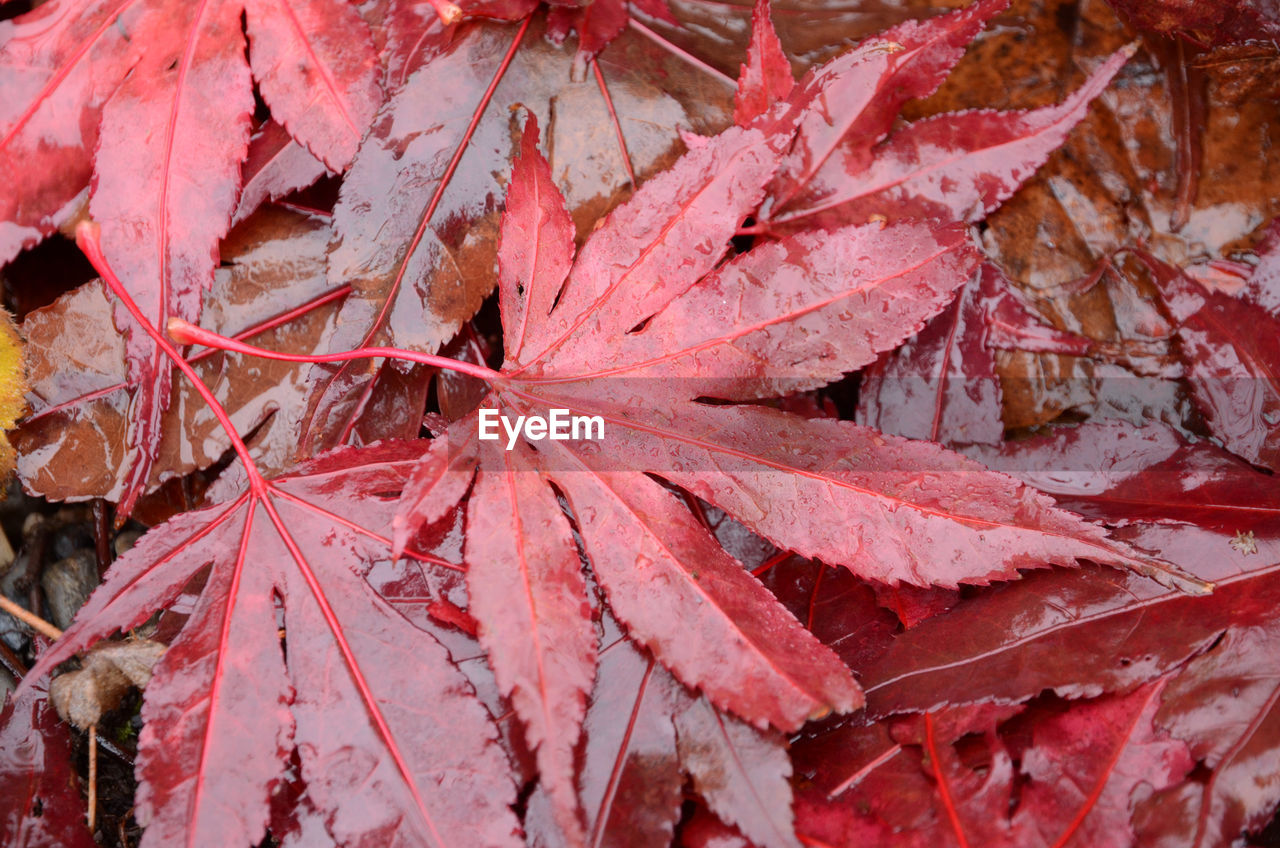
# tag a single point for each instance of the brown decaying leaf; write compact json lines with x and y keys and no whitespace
{"x":107,"y":672}
{"x":1115,"y":184}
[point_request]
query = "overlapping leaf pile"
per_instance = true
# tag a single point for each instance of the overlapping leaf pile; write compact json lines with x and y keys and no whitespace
{"x":384,"y":629}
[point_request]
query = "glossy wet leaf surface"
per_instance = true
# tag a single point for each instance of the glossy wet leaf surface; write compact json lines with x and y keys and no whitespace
{"x":921,"y":340}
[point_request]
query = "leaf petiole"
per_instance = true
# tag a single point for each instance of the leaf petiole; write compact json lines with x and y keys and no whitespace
{"x":184,"y":332}
{"x":88,"y":239}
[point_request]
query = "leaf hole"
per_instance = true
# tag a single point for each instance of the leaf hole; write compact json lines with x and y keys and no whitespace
{"x":744,"y":241}
{"x":974,"y":750}
{"x":640,"y":328}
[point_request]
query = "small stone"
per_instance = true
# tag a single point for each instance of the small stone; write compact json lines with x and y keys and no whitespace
{"x":67,"y":585}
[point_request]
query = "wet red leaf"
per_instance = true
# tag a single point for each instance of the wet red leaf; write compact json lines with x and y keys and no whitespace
{"x":1214,"y":21}
{"x":415,"y":221}
{"x":586,"y":356}
{"x":740,"y":772}
{"x":641,"y":316}
{"x":1044,"y":775}
{"x":329,"y":689}
{"x":630,"y":776}
{"x":597,"y":641}
{"x":1077,"y":634}
{"x":171,"y":124}
{"x":536,"y":623}
{"x":42,"y":803}
{"x":766,"y":77}
{"x":943,"y":385}
{"x":1230,"y":348}
{"x":381,"y":753}
{"x":1223,"y":705}
{"x":1115,"y":473}
{"x":952,"y":167}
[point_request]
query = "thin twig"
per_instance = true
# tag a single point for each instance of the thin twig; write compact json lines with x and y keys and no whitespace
{"x":11,"y":663}
{"x":30,"y":619}
{"x":93,"y":777}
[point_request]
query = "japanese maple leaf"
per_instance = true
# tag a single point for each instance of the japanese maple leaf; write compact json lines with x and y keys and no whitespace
{"x":999,"y":775}
{"x":942,"y":385}
{"x":1230,"y":347}
{"x":646,"y":322}
{"x":416,"y":274}
{"x":416,"y":217}
{"x":161,"y":94}
{"x":40,"y":788}
{"x":289,"y":648}
{"x":1193,"y":503}
{"x":649,"y":320}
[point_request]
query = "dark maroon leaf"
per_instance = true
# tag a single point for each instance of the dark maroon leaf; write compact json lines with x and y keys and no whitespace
{"x":1044,"y":775}
{"x":1088,"y":764}
{"x":1116,"y":474}
{"x":42,"y":805}
{"x":1231,"y":351}
{"x":835,"y":606}
{"x":1223,"y":705}
{"x":943,"y":385}
{"x":1214,"y":21}
{"x":1077,"y":634}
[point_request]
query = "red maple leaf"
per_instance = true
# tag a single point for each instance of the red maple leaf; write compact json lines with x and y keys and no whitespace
{"x":1018,"y":776}
{"x":384,"y":756}
{"x":154,"y":99}
{"x":670,"y":342}
{"x":641,"y":328}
